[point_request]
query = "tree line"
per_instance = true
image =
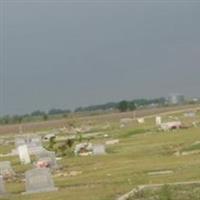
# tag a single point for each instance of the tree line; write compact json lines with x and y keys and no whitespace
{"x":121,"y":106}
{"x":34,"y":116}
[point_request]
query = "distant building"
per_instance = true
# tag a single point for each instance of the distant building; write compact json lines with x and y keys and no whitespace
{"x":176,"y":99}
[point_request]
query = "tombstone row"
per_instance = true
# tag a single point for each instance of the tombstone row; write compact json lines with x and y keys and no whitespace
{"x":28,"y":146}
{"x":45,"y":159}
{"x":36,"y":180}
{"x":34,"y":145}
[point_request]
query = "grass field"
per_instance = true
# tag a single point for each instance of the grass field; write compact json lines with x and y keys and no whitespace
{"x":167,"y":192}
{"x":142,"y":149}
{"x":59,"y":123}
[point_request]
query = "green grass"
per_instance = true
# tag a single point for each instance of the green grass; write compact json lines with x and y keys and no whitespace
{"x":192,"y":147}
{"x":5,"y":149}
{"x":141,"y":149}
{"x":167,"y":192}
{"x":131,"y":133}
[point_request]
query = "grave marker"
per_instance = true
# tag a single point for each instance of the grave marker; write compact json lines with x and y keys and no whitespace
{"x":158,"y":121}
{"x":24,"y":155}
{"x":6,"y":170}
{"x":99,"y":149}
{"x":48,"y":156}
{"x":141,"y":120}
{"x":39,"y":180}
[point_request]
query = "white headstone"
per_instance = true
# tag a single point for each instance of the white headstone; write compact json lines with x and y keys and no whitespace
{"x":99,"y":149}
{"x":158,"y":121}
{"x":111,"y":142}
{"x":140,"y":120}
{"x":39,"y":180}
{"x":24,"y":155}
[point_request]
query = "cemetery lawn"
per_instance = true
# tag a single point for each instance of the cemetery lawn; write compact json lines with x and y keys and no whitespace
{"x":169,"y":192}
{"x":142,"y":149}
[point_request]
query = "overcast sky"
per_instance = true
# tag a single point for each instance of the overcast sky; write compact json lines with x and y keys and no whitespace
{"x":65,"y":54}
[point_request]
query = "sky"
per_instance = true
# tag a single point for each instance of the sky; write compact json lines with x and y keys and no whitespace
{"x":66,"y":54}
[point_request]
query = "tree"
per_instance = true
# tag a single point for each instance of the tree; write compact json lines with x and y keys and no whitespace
{"x":45,"y":117}
{"x":6,"y":119}
{"x":51,"y":144}
{"x":131,"y":106}
{"x":69,"y":142}
{"x":58,"y":111}
{"x":123,"y":106}
{"x":17,"y":119}
{"x":37,"y":113}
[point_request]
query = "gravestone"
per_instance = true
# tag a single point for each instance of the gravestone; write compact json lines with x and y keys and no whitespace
{"x":83,"y":148}
{"x":48,"y":156}
{"x":99,"y":149}
{"x":29,"y":141}
{"x":6,"y":170}
{"x":19,"y":142}
{"x":36,"y":141}
{"x":112,"y":142}
{"x":39,"y":180}
{"x":2,"y":186}
{"x":158,"y":120}
{"x":34,"y":144}
{"x":23,"y":154}
{"x":141,"y":120}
